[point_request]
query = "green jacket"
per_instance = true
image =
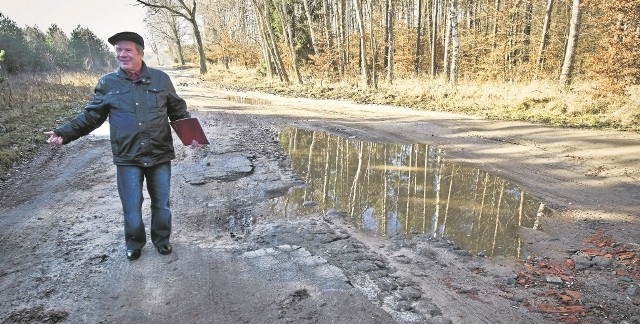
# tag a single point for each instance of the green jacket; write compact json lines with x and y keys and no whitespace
{"x":139,"y":113}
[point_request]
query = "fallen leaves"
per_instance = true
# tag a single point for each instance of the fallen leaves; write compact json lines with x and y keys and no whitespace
{"x":608,"y":248}
{"x":561,"y":309}
{"x":559,"y":300}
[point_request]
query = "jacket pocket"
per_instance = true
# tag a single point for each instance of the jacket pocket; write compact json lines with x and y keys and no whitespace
{"x":120,"y":99}
{"x":156,"y":97}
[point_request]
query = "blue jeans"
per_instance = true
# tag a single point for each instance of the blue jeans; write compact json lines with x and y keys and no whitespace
{"x":130,"y":179}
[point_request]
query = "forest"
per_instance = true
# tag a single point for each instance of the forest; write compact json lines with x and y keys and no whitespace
{"x":560,"y":62}
{"x":29,"y":49}
{"x":369,"y":41}
{"x":379,"y":41}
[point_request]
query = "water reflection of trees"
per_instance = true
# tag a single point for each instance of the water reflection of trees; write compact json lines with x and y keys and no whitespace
{"x":388,"y":189}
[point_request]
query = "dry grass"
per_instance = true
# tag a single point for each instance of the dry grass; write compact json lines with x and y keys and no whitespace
{"x":34,"y":103}
{"x":542,"y":102}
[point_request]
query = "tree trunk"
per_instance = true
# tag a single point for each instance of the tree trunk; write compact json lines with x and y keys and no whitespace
{"x":494,"y":35}
{"x":287,"y":32}
{"x":447,"y":40}
{"x":374,"y":48}
{"x":418,"y":57}
{"x":455,"y":43}
{"x":340,"y":35}
{"x":390,"y":45}
{"x":566,"y":75}
{"x":544,"y":38}
{"x":527,"y":31}
{"x":191,"y":17}
{"x":326,"y":23}
{"x":305,"y":5}
{"x":364,"y":70}
{"x":264,"y":43}
{"x":198,"y":37}
{"x":264,"y":19}
{"x":176,"y":33}
{"x":434,"y":36}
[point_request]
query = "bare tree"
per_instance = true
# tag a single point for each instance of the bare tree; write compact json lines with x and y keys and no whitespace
{"x":180,"y":8}
{"x":447,"y":41}
{"x":390,"y":45}
{"x":307,"y":12}
{"x":566,"y":75}
{"x":263,"y":15}
{"x":494,"y":32}
{"x":434,"y":35}
{"x":165,"y":25}
{"x":341,"y":38}
{"x":287,"y":32}
{"x":153,"y":44}
{"x":418,"y":58}
{"x":374,"y":48}
{"x":527,"y":30}
{"x":544,"y":37}
{"x":455,"y":43}
{"x":363,"y":48}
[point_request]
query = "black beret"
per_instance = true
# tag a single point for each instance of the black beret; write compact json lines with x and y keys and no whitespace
{"x":129,"y":36}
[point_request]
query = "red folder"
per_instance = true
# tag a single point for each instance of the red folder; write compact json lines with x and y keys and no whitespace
{"x":189,"y":130}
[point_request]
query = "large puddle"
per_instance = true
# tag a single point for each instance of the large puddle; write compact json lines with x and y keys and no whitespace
{"x":388,"y":190}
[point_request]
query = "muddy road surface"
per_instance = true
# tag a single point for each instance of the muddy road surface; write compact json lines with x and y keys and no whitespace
{"x":307,"y":211}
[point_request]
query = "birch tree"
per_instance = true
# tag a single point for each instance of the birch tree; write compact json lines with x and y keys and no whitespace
{"x":544,"y":37}
{"x":455,"y":43}
{"x":364,"y":70}
{"x":263,"y":15}
{"x":566,"y":76}
{"x":389,"y":38}
{"x":374,"y":48}
{"x":287,"y":31}
{"x":418,"y":57}
{"x":434,"y":35}
{"x":307,"y":13}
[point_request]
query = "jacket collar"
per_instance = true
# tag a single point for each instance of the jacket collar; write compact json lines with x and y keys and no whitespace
{"x":145,"y":76}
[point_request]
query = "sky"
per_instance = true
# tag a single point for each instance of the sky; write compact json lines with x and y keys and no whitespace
{"x":103,"y":17}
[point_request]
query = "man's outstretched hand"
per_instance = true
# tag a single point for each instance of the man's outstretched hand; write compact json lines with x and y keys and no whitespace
{"x":54,"y":138}
{"x":195,"y":144}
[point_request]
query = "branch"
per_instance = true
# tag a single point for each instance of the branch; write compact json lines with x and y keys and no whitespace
{"x":157,"y":6}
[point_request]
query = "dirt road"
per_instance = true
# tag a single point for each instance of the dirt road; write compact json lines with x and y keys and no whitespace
{"x":242,"y":254}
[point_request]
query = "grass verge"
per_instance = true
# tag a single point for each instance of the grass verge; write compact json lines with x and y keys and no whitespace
{"x":542,"y":102}
{"x":34,"y":103}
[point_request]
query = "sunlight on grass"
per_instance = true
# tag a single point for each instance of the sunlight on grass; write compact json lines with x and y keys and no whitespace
{"x":542,"y":101}
{"x":34,"y":103}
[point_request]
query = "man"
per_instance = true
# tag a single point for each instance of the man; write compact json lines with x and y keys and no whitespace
{"x":139,"y":102}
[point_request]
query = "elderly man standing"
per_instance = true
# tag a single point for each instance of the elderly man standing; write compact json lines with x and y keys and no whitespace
{"x":139,"y":102}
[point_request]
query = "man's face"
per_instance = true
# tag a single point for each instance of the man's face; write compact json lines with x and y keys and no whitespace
{"x":128,"y":56}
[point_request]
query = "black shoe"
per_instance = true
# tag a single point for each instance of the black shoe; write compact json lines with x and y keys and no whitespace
{"x":133,"y":254}
{"x":164,"y":248}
